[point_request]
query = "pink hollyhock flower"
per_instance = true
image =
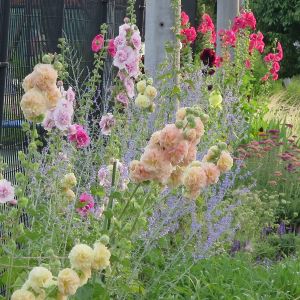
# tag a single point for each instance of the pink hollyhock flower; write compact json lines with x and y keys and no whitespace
{"x":86,"y":204}
{"x":274,"y":76}
{"x":206,"y":24}
{"x":62,"y":117}
{"x":132,"y":67}
{"x":111,"y":48}
{"x":256,"y":42}
{"x":122,"y":56}
{"x":248,"y":64}
{"x":122,"y":75}
{"x":107,"y":122}
{"x":228,"y":37}
{"x":120,"y":42}
{"x":80,"y":137}
{"x":213,"y":38}
{"x":238,"y":23}
{"x":275,"y":67}
{"x":103,"y":177}
{"x":184,"y":19}
{"x":70,"y":95}
{"x":249,"y":19}
{"x":136,"y":40}
{"x":269,"y":57}
{"x":279,"y":55}
{"x":129,"y":86}
{"x":218,"y":61}
{"x":122,"y":98}
{"x":49,"y":122}
{"x":7,"y":191}
{"x":123,"y":29}
{"x":97,"y":43}
{"x":189,"y":35}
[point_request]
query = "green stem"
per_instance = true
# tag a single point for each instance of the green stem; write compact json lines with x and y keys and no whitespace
{"x":128,"y":201}
{"x":138,"y":216}
{"x":111,"y":198}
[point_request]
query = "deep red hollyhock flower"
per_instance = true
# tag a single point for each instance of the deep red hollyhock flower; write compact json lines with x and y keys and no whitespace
{"x":208,"y":56}
{"x":189,"y":34}
{"x":184,"y":19}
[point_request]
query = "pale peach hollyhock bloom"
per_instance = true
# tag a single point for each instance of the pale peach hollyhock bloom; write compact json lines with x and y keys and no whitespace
{"x":44,"y":76}
{"x":178,"y":153}
{"x":181,"y":114}
{"x":28,"y":82}
{"x":33,"y":104}
{"x":68,"y":281}
{"x":225,"y":161}
{"x":199,"y":128}
{"x":153,"y":159}
{"x":194,"y":180}
{"x":191,"y":135}
{"x":170,"y":136}
{"x":85,"y":275}
{"x":53,"y":95}
{"x":176,"y":178}
{"x":191,"y":155}
{"x":138,"y":172}
{"x":155,"y":138}
{"x":212,"y":172}
{"x":162,"y":175}
{"x":22,"y":295}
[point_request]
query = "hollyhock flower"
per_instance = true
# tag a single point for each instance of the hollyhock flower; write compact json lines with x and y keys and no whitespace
{"x":33,"y":104}
{"x":49,"y":122}
{"x":141,"y":86}
{"x":103,"y":177}
{"x":142,"y":101}
{"x":194,"y":181}
{"x":86,"y":202}
{"x":123,"y":29}
{"x":97,"y":43}
{"x":279,"y":55}
{"x":225,"y":162}
{"x":170,"y":136}
{"x":79,"y":136}
{"x":275,"y":76}
{"x":68,"y":282}
{"x":22,"y":294}
{"x":38,"y":278}
{"x":129,"y":86}
{"x":101,"y":257}
{"x":122,"y":98}
{"x":120,"y":42}
{"x":212,"y":172}
{"x":176,"y":178}
{"x":81,"y":257}
{"x":228,"y":37}
{"x":218,"y":61}
{"x":106,"y":124}
{"x":191,"y":155}
{"x":62,"y":117}
{"x":138,"y":172}
{"x":256,"y":42}
{"x":184,"y":19}
{"x":208,"y":56}
{"x":266,"y":77}
{"x":249,"y":19}
{"x":189,"y":35}
{"x":132,"y":67}
{"x":248,"y":64}
{"x":238,"y":23}
{"x":122,"y":56}
{"x":7,"y":191}
{"x":44,"y":77}
{"x":206,"y":24}
{"x":275,"y":67}
{"x":178,"y":153}
{"x":111,"y":48}
{"x":213,"y":38}
{"x":70,"y":96}
{"x":136,"y":40}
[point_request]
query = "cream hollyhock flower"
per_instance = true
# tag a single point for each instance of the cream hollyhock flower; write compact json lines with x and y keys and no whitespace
{"x":22,"y":295}
{"x":69,"y":180}
{"x":85,"y":276}
{"x":225,"y":161}
{"x":151,"y":92}
{"x":181,"y":114}
{"x":142,"y":101}
{"x":70,"y":195}
{"x":38,"y":278}
{"x":33,"y":104}
{"x":68,"y":281}
{"x":81,"y":257}
{"x":101,"y":256}
{"x":44,"y":76}
{"x":141,"y":86}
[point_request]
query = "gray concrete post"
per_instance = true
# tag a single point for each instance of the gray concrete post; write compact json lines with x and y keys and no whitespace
{"x":159,"y":21}
{"x":226,"y":11}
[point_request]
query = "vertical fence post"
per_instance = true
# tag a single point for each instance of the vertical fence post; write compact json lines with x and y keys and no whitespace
{"x":3,"y":57}
{"x":226,"y":11}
